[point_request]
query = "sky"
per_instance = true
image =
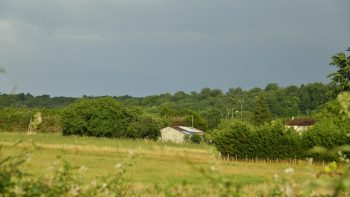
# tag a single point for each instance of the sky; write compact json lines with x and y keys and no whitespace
{"x":146,"y":47}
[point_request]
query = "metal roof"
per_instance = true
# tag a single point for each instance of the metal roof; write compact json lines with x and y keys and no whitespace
{"x":188,"y":130}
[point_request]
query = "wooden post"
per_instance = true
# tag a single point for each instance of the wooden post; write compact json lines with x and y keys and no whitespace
{"x":30,"y":127}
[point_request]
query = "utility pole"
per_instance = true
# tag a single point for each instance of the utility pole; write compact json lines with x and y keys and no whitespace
{"x":192,"y":121}
{"x":241,"y":102}
{"x":228,"y":112}
{"x":30,"y":127}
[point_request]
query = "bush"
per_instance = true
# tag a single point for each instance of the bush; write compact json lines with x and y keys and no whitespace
{"x":275,"y":141}
{"x":195,"y":138}
{"x":105,"y":117}
{"x":331,"y":130}
{"x":268,"y":141}
{"x":17,"y":120}
{"x":233,"y":138}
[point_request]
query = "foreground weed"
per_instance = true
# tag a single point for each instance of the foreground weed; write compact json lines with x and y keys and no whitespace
{"x":64,"y":180}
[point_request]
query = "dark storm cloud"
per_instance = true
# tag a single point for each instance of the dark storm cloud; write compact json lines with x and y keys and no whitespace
{"x":142,"y":47}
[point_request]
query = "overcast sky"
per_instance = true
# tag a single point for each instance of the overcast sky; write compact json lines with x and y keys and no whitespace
{"x":144,"y":47}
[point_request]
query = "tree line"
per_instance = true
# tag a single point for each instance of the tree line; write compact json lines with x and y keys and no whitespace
{"x":208,"y":105}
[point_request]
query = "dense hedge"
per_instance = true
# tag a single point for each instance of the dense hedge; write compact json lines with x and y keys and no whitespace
{"x":105,"y":117}
{"x":245,"y":141}
{"x":274,"y":140}
{"x":332,"y":129}
{"x":18,"y":119}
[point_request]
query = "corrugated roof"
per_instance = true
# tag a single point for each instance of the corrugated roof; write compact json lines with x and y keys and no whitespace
{"x":188,"y":130}
{"x":301,"y":122}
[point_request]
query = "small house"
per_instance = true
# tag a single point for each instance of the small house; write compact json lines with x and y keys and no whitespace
{"x":177,"y":134}
{"x":301,"y":124}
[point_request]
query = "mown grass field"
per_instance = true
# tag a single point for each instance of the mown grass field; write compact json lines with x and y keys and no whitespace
{"x":153,"y":162}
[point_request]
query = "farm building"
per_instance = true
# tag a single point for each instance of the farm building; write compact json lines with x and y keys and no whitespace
{"x":177,"y":133}
{"x":301,"y":124}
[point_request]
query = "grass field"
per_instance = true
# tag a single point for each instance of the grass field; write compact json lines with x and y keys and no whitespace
{"x":153,"y":162}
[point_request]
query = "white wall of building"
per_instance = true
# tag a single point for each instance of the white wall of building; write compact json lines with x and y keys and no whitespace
{"x":170,"y":134}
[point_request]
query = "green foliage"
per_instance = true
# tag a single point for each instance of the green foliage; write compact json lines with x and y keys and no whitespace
{"x":64,"y":180}
{"x":146,"y":126}
{"x":331,"y":130}
{"x":344,"y":100}
{"x":105,"y":117}
{"x":341,"y":78}
{"x":267,"y":141}
{"x":233,"y":138}
{"x":262,"y":113}
{"x":331,"y":168}
{"x":275,"y":141}
{"x":22,"y":100}
{"x":18,"y":120}
{"x":196,"y":139}
{"x":198,"y":121}
{"x":327,"y":136}
{"x":210,"y":104}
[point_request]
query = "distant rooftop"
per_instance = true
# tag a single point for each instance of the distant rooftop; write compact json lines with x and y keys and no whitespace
{"x":301,"y":122}
{"x":188,"y":130}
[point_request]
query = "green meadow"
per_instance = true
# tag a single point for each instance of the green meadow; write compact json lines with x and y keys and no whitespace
{"x":152,"y":163}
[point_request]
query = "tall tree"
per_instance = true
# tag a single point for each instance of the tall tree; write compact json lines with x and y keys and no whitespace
{"x":262,"y":112}
{"x":341,"y":78}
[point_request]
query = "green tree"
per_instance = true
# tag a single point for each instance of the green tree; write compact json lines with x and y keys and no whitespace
{"x":262,"y":112}
{"x":233,"y":138}
{"x":344,"y":100}
{"x":198,"y":121}
{"x":341,"y":78}
{"x":105,"y":117}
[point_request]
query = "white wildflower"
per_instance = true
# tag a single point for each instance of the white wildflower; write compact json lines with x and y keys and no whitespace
{"x":288,"y":170}
{"x":83,"y":169}
{"x":119,"y":165}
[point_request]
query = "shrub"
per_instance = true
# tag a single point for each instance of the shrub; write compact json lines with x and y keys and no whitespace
{"x":195,"y":138}
{"x":275,"y":141}
{"x":331,"y":130}
{"x":233,"y":138}
{"x":105,"y":117}
{"x":18,"y":119}
{"x":267,"y":141}
{"x":145,"y":126}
